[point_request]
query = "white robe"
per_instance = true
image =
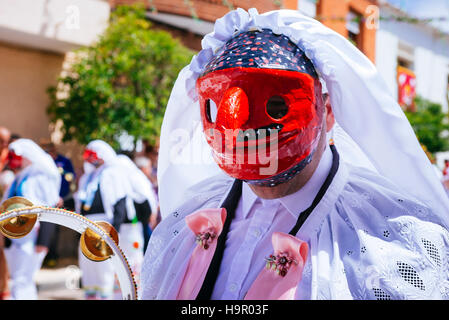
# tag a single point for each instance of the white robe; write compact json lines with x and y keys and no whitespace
{"x":367,"y":241}
{"x":41,"y":184}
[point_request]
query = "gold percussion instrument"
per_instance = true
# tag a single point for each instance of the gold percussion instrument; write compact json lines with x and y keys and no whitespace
{"x":93,"y":246}
{"x":19,"y":226}
{"x":99,"y":240}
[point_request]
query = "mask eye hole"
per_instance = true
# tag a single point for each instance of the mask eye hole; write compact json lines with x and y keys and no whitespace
{"x":211,"y":110}
{"x":276,"y":107}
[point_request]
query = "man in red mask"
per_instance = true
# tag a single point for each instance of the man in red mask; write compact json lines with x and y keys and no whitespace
{"x":280,"y":214}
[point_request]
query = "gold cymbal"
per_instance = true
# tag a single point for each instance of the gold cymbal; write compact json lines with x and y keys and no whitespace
{"x":15,"y":203}
{"x":93,"y":246}
{"x":19,"y":226}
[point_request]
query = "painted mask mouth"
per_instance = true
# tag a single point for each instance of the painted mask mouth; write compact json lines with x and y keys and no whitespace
{"x":267,"y":137}
{"x":251,"y":138}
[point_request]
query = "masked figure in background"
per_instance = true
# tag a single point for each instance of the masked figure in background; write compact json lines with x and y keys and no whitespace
{"x":283,"y":211}
{"x":101,"y":196}
{"x":37,"y":179}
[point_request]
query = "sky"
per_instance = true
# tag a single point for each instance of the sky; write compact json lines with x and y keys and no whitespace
{"x":426,"y":9}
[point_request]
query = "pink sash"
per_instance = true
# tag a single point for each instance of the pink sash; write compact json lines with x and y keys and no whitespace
{"x":278,"y":281}
{"x":207,"y":225}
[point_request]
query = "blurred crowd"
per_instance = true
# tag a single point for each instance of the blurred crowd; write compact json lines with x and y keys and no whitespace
{"x":119,"y":188}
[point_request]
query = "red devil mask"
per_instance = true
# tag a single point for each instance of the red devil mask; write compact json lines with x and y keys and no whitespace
{"x":90,"y":156}
{"x":259,"y":108}
{"x":14,"y":161}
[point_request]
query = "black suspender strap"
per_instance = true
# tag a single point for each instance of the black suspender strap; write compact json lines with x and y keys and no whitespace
{"x":230,"y":204}
{"x":306,"y":213}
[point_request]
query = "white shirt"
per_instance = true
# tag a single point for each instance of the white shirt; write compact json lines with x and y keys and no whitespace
{"x":249,"y":237}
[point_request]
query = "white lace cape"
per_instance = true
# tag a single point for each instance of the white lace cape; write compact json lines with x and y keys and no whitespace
{"x":366,"y":239}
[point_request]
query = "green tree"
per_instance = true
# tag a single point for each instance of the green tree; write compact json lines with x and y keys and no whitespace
{"x":430,"y":124}
{"x":120,"y":85}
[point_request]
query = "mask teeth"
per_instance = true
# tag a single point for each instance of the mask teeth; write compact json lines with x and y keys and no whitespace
{"x":254,"y":134}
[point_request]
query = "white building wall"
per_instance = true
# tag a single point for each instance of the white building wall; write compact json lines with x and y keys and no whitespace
{"x":52,"y":25}
{"x":307,"y":7}
{"x":431,"y":75}
{"x":386,"y":58}
{"x":431,"y":57}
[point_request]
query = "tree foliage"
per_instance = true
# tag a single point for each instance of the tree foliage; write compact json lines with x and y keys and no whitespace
{"x":121,"y":84}
{"x":430,"y":124}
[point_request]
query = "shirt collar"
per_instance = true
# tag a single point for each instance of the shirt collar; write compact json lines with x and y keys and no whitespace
{"x":248,"y":199}
{"x":297,"y":202}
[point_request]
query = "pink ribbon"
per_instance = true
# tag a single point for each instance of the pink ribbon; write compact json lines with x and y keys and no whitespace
{"x":283,"y":272}
{"x":207,"y":225}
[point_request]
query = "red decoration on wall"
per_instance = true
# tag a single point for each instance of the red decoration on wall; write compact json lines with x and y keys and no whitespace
{"x":407,"y":88}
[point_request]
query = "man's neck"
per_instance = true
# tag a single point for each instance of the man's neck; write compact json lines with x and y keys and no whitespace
{"x":296,"y":183}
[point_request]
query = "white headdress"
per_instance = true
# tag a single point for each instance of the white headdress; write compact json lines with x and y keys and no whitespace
{"x":103,"y":150}
{"x":368,"y":116}
{"x":46,"y":192}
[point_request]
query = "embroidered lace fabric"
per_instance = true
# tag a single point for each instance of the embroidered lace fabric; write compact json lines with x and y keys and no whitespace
{"x":366,"y":239}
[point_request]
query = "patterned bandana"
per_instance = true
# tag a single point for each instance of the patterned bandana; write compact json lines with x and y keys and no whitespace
{"x":261,"y":49}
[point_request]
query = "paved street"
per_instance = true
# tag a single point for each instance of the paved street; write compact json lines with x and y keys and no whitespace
{"x":59,"y":284}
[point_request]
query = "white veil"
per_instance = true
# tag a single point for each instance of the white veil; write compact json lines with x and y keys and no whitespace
{"x":368,"y":116}
{"x":42,"y":165}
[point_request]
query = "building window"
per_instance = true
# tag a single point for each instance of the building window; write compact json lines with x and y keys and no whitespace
{"x":404,"y":63}
{"x":353,"y":21}
{"x":406,"y":55}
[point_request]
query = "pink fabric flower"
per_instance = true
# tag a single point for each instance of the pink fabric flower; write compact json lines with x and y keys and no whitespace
{"x":283,"y":272}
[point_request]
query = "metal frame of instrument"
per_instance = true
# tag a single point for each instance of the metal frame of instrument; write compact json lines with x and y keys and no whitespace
{"x":99,"y":240}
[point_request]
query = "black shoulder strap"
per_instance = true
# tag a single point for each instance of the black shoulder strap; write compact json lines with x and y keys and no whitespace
{"x":230,"y":204}
{"x":306,"y":213}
